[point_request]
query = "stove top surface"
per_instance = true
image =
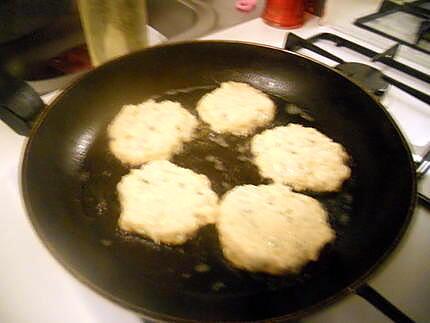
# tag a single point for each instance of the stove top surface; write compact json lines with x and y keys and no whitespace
{"x":30,"y":276}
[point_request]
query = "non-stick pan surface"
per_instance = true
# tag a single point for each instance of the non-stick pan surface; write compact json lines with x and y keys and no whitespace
{"x":69,"y":183}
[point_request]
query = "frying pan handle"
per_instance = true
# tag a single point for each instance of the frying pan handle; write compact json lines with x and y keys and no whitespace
{"x":382,"y":304}
{"x":19,"y":104}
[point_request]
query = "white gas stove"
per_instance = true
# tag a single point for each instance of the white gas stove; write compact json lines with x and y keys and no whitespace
{"x":35,"y":288}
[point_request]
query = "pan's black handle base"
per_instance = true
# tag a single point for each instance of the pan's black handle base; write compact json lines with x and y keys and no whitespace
{"x":382,"y":304}
{"x":19,"y":104}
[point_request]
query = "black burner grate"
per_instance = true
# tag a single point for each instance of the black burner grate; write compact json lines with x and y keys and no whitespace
{"x":419,"y":9}
{"x":386,"y":57}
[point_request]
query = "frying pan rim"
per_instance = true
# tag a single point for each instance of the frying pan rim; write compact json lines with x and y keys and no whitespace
{"x":145,"y":313}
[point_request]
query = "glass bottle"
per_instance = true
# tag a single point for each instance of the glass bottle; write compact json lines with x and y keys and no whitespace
{"x":113,"y":27}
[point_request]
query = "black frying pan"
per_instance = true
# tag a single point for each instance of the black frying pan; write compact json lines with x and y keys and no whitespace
{"x":69,"y":179}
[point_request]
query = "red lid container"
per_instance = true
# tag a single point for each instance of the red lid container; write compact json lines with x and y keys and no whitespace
{"x":284,"y":13}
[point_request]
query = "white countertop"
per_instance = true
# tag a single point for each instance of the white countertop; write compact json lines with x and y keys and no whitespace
{"x":36,"y":289}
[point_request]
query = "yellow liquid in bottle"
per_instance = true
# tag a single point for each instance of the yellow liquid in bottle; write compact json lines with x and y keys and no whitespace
{"x":113,"y":27}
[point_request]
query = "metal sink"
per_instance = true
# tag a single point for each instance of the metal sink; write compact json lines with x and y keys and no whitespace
{"x":181,"y":19}
{"x":176,"y":19}
{"x":190,"y":19}
{"x":228,"y":16}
